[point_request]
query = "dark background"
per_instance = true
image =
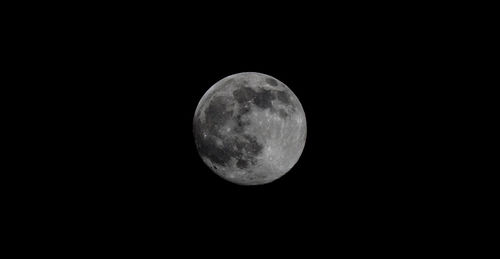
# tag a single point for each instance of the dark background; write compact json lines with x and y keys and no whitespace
{"x":127,"y":84}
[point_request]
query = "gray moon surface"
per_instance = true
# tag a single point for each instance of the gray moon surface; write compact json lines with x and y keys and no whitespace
{"x":249,"y":128}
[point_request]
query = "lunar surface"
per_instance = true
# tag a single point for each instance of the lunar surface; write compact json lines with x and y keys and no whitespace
{"x":249,"y":128}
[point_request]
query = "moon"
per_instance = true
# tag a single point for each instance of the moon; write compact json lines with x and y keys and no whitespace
{"x":249,"y":128}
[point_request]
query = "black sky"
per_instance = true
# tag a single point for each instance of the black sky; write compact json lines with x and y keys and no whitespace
{"x":133,"y":84}
{"x":356,"y":93}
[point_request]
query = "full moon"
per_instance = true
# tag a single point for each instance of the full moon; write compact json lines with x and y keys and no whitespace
{"x":249,"y":128}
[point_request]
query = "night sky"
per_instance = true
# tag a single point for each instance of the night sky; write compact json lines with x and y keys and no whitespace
{"x":364,"y":87}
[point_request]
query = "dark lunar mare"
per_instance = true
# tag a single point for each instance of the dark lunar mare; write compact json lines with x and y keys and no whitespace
{"x":271,"y":81}
{"x":264,"y":98}
{"x":282,"y":113}
{"x":217,"y":114}
{"x":242,"y":164}
{"x":244,"y":94}
{"x":261,"y":99}
{"x":283,"y":97}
